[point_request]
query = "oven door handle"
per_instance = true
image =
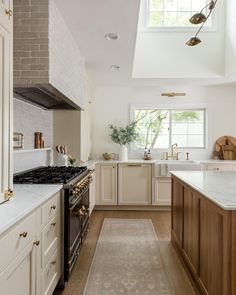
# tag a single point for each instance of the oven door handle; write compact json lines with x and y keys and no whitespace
{"x":75,"y":204}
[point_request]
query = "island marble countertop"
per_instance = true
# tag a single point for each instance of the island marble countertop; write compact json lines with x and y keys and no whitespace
{"x":217,"y":186}
{"x":27,"y":198}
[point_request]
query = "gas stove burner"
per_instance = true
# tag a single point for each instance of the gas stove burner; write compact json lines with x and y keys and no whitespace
{"x":49,"y":175}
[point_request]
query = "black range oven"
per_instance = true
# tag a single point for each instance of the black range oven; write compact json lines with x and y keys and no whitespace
{"x":75,"y":207}
{"x":76,"y":221}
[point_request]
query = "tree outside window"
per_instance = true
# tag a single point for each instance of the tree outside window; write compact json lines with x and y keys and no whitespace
{"x":161,"y":128}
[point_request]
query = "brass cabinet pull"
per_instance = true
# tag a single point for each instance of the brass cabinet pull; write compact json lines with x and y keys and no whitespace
{"x":8,"y":194}
{"x":36,"y":243}
{"x":134,"y":165}
{"x":53,"y":207}
{"x":53,"y":224}
{"x":53,"y":262}
{"x":24,"y":234}
{"x":9,"y":12}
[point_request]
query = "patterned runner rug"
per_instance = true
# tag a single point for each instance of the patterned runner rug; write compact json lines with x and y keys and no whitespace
{"x":127,"y":261}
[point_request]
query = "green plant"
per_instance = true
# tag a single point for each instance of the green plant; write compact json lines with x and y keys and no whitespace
{"x":71,"y":160}
{"x":125,"y":135}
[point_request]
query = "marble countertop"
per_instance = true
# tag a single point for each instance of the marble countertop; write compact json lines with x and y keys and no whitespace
{"x":217,"y":186}
{"x":91,"y":163}
{"x":27,"y":198}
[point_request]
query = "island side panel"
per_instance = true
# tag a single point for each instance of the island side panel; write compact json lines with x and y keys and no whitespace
{"x":177,"y":212}
{"x":202,"y":232}
{"x":214,"y":243}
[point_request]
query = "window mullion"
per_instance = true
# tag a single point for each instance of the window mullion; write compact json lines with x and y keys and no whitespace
{"x":170,"y":128}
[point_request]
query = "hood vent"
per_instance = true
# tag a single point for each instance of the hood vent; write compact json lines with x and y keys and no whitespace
{"x":45,"y":96}
{"x":33,"y":69}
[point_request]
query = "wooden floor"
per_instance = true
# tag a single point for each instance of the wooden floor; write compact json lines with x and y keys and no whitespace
{"x":180,"y":278}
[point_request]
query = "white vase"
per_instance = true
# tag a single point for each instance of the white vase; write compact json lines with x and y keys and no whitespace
{"x":123,"y":154}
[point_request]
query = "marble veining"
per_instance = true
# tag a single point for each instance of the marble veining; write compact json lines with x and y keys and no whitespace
{"x":27,"y":198}
{"x":217,"y":186}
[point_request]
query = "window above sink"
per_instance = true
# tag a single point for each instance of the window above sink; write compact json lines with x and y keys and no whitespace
{"x":160,"y":128}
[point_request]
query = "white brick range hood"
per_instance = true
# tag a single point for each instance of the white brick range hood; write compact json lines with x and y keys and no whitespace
{"x":49,"y":69}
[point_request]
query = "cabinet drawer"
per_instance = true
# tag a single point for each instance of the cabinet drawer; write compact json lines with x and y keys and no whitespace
{"x":50,"y":209}
{"x":13,"y":242}
{"x":49,"y":240}
{"x":50,"y":276}
{"x":219,"y":167}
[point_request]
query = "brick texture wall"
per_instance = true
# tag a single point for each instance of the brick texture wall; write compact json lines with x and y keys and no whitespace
{"x":27,"y":120}
{"x":31,"y":43}
{"x":45,"y":51}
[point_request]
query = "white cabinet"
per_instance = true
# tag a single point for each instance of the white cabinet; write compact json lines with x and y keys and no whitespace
{"x":19,"y":276}
{"x":161,"y":191}
{"x":30,"y":261}
{"x":49,"y":258}
{"x":219,"y":167}
{"x":106,"y":184}
{"x":78,"y":139}
{"x":5,"y":97}
{"x":17,"y":264}
{"x":92,"y":193}
{"x":6,"y":13}
{"x":134,"y":184}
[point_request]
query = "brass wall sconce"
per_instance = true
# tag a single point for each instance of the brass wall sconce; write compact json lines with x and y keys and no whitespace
{"x":173,"y":94}
{"x":200,"y":18}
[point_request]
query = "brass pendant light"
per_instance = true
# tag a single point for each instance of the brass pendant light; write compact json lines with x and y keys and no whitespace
{"x":200,"y":18}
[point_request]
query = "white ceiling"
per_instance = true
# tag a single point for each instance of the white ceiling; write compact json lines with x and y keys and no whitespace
{"x":90,"y":20}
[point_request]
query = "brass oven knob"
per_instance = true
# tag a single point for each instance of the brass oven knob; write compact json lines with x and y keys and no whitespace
{"x":23,"y":235}
{"x":81,"y":212}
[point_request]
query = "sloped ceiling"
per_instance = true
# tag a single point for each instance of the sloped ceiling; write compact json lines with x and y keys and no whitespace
{"x":145,"y":58}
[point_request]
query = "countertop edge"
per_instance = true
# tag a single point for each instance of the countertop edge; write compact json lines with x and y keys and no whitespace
{"x":202,"y":192}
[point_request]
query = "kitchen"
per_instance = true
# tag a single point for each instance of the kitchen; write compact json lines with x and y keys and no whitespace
{"x":72,"y":79}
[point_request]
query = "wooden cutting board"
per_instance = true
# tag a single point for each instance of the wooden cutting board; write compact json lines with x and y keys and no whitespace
{"x":225,"y":148}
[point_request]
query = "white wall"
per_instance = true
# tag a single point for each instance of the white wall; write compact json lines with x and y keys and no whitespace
{"x":112,"y":105}
{"x":230,"y":37}
{"x":164,"y":54}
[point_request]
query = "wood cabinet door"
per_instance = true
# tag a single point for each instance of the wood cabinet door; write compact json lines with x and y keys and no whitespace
{"x":107,"y":186}
{"x":191,"y":228}
{"x":5,"y":108}
{"x":134,"y":184}
{"x":177,"y":211}
{"x":19,"y":277}
{"x":214,"y":262}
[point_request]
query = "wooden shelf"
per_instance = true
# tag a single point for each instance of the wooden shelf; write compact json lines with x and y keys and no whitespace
{"x":19,"y":151}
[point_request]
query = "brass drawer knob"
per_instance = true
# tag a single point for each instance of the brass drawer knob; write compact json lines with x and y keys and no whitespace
{"x":36,"y":243}
{"x":53,"y":262}
{"x":9,"y":12}
{"x":24,"y":234}
{"x":8,"y":194}
{"x":53,"y":224}
{"x":53,"y":207}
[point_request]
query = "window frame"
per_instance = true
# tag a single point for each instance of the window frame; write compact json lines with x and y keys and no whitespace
{"x":170,"y":108}
{"x":146,"y":28}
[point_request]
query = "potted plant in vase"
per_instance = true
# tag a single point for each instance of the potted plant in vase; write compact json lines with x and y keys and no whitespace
{"x":123,"y":136}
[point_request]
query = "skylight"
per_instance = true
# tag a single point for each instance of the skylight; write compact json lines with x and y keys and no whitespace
{"x":174,"y":13}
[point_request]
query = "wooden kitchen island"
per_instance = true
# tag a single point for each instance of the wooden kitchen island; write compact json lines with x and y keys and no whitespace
{"x":203,"y":228}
